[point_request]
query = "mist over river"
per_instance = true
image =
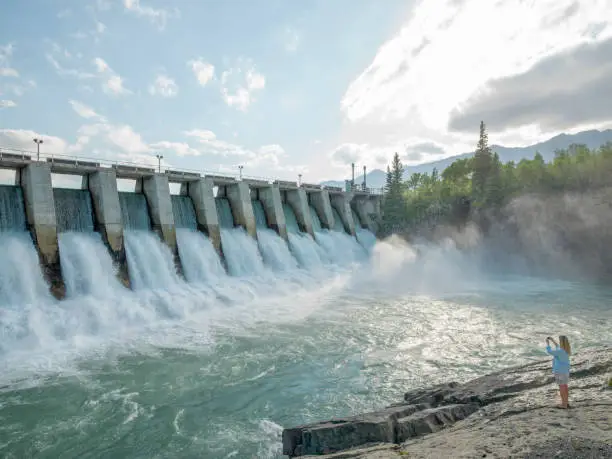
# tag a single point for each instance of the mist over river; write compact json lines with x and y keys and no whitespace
{"x":215,"y":367}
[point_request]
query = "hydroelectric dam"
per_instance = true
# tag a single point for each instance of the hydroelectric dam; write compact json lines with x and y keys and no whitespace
{"x":211,"y":225}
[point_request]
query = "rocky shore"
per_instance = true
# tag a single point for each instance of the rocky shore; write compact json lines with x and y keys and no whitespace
{"x":510,"y":413}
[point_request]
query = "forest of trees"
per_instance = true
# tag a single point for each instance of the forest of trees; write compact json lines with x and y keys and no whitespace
{"x":484,"y":183}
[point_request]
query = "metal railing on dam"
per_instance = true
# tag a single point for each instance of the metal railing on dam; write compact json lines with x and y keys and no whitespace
{"x":13,"y":158}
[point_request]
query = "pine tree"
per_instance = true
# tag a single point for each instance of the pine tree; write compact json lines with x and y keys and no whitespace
{"x":482,"y":165}
{"x":394,"y":205}
{"x":397,"y":170}
{"x":389,"y":180}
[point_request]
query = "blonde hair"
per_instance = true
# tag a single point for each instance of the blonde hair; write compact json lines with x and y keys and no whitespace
{"x":565,"y":344}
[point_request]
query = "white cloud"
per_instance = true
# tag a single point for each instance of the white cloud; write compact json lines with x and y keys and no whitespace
{"x":58,"y":54}
{"x":239,"y":83}
{"x":8,"y":72}
{"x":203,"y":71}
{"x":180,"y":148}
{"x":21,"y":139}
{"x":113,"y":83}
{"x":164,"y":86}
{"x":291,"y":39}
{"x":447,"y":52}
{"x":64,"y":13}
{"x":7,"y":104}
{"x":100,"y":27}
{"x":84,"y":111}
{"x":157,"y":16}
{"x":101,"y":65}
{"x":6,"y":53}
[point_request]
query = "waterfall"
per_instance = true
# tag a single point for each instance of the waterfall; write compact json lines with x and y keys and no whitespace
{"x":12,"y":209}
{"x":224,"y":211}
{"x":134,"y":211}
{"x":87,"y":267}
{"x":366,"y":238}
{"x":306,"y":250}
{"x":340,"y":248}
{"x":338,"y":225}
{"x":290,"y":219}
{"x":73,"y":210}
{"x":260,"y":215}
{"x":150,"y":262}
{"x":21,"y":280}
{"x":316,"y":221}
{"x":199,"y":258}
{"x":241,"y":252}
{"x":356,"y":219}
{"x":184,"y":212}
{"x":274,"y":250}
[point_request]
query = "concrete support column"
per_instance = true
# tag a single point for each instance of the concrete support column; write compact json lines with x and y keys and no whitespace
{"x":273,"y":206}
{"x":342,"y":203}
{"x":320,"y":201}
{"x":40,"y":213}
{"x":298,"y":200}
{"x":362,"y":208}
{"x":105,"y":198}
{"x":203,"y":197}
{"x":157,"y":191}
{"x":239,"y":197}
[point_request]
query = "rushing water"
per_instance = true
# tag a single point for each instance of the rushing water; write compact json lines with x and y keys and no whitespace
{"x":134,"y":211}
{"x":200,"y":262}
{"x":73,"y":210}
{"x":12,"y":209}
{"x":215,"y":369}
{"x":87,"y":268}
{"x":150,"y":262}
{"x":184,"y":212}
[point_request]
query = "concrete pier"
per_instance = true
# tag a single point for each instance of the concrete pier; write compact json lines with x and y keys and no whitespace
{"x":298,"y":200}
{"x":270,"y":197}
{"x":239,"y":197}
{"x":35,"y":179}
{"x":105,"y":198}
{"x":203,"y":197}
{"x":363,"y":207}
{"x":157,"y":191}
{"x":342,"y":203}
{"x":320,"y":201}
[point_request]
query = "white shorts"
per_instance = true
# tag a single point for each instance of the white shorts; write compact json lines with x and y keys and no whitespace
{"x":562,"y":378}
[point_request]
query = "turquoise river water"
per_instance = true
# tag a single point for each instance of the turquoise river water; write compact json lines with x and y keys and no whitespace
{"x":216,"y":368}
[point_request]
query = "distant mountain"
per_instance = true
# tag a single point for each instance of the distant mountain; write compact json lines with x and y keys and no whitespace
{"x":592,"y":139}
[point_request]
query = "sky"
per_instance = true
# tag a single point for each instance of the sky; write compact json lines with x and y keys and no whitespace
{"x":285,"y":87}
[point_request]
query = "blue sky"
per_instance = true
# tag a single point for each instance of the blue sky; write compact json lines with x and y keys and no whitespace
{"x":285,"y":87}
{"x":286,"y":64}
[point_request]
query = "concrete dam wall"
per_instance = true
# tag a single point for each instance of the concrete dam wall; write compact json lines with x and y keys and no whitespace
{"x":235,"y":218}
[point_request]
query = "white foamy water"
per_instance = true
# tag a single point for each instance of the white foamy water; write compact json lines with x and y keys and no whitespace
{"x":21,"y":280}
{"x":340,"y":248}
{"x":217,"y":370}
{"x":274,"y":251}
{"x":306,"y":250}
{"x":199,"y":258}
{"x":87,"y":267}
{"x":241,"y":252}
{"x":366,"y":238}
{"x":150,"y":262}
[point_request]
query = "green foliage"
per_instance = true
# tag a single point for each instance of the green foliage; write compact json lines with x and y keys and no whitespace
{"x":394,"y":204}
{"x":490,"y":184}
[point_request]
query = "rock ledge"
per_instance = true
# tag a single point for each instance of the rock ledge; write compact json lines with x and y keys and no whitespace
{"x":510,"y":413}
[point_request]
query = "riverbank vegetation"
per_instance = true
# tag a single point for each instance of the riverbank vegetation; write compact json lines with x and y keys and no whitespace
{"x":485,"y":185}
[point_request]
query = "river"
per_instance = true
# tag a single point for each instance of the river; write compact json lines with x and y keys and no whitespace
{"x":215,"y":369}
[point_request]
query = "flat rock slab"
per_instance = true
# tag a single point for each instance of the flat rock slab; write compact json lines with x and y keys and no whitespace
{"x":510,"y":413}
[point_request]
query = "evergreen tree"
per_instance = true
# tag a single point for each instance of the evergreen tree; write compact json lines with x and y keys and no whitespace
{"x":389,"y":180}
{"x":394,"y":204}
{"x":481,"y":165}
